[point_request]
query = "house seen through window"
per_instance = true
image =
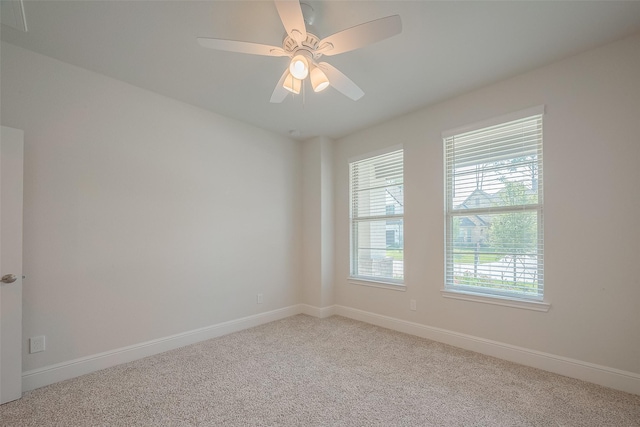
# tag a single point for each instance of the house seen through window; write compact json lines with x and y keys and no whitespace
{"x":494,"y":215}
{"x":377,"y":223}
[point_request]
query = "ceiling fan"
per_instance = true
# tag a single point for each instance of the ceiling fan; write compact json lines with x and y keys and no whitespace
{"x":305,"y":49}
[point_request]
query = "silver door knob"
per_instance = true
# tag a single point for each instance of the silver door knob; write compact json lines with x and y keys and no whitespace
{"x":8,"y":278}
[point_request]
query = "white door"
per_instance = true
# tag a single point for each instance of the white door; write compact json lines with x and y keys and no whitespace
{"x":11,"y":161}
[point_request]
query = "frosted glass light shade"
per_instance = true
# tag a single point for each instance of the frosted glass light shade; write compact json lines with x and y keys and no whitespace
{"x":319,"y":80}
{"x":299,"y":67}
{"x":292,"y":84}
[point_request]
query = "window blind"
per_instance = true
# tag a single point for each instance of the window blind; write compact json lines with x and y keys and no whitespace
{"x":377,"y":223}
{"x":494,"y":210}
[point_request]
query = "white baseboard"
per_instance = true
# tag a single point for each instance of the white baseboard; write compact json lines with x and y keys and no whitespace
{"x":62,"y":371}
{"x":320,"y":312}
{"x":598,"y":374}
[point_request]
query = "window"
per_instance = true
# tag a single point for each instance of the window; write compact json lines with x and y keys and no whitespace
{"x":494,"y":207}
{"x":377,"y":224}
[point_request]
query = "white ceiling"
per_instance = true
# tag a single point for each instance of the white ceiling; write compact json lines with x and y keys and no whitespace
{"x":445,"y":49}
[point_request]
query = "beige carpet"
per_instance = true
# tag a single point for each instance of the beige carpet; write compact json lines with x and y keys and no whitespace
{"x":303,"y":371}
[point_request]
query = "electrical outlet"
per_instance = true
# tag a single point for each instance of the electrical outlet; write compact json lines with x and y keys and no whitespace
{"x":412,"y":305}
{"x":259,"y":299}
{"x":36,"y":344}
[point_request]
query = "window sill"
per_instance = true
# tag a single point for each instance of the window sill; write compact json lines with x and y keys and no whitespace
{"x":377,"y":284}
{"x":497,"y":300}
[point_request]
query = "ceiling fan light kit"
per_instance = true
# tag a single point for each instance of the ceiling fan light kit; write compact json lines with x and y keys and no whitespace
{"x":305,"y":49}
{"x":299,"y":66}
{"x":292,"y":84}
{"x":319,"y":80}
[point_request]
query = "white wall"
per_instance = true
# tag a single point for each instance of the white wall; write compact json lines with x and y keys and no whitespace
{"x":143,"y":216}
{"x":592,"y":200}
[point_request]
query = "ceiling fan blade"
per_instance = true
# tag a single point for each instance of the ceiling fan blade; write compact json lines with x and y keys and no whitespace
{"x":280,"y":93}
{"x":340,"y":82}
{"x":291,"y":16}
{"x":361,"y":35}
{"x":241,"y":47}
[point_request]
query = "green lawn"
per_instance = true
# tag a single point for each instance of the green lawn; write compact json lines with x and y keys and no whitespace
{"x":468,"y":258}
{"x":395,"y":254}
{"x":505,"y":285}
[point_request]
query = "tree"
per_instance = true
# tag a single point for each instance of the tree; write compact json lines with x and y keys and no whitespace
{"x":455,"y":228}
{"x":515,"y":233}
{"x":529,"y":164}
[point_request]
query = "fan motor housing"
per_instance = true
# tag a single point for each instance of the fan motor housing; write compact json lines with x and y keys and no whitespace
{"x":310,"y":44}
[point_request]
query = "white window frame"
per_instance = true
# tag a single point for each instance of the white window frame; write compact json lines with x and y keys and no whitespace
{"x":485,"y":294}
{"x":367,"y":280}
